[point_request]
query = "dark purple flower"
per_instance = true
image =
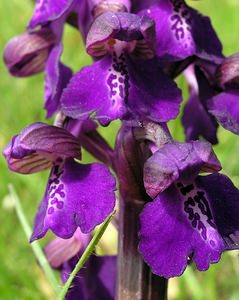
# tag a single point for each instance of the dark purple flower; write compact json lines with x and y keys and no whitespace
{"x":26,"y":54}
{"x":224,"y":105}
{"x":214,"y":99}
{"x":38,"y":146}
{"x":78,"y":13}
{"x":96,"y":280}
{"x":57,"y":77}
{"x":225,"y":108}
{"x":41,"y":49}
{"x":33,"y":52}
{"x":81,"y":195}
{"x":196,"y":119}
{"x":227,"y":73}
{"x":181,"y":31}
{"x":193,"y":218}
{"x":126,"y":81}
{"x":178,"y":161}
{"x":48,"y":11}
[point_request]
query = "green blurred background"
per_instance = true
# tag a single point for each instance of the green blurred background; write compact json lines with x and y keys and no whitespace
{"x":22,"y":100}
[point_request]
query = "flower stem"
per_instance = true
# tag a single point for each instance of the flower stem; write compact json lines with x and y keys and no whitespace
{"x":134,"y":279}
{"x":97,"y":236}
{"x":35,"y":246}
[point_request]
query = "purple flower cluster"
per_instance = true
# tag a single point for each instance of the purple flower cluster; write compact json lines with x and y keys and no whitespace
{"x":138,"y":48}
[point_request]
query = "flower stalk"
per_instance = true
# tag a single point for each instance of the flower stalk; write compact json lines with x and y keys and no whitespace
{"x":134,"y":278}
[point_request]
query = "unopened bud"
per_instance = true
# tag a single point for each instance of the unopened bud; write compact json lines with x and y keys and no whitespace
{"x":227,"y":74}
{"x":26,"y":54}
{"x":110,"y":6}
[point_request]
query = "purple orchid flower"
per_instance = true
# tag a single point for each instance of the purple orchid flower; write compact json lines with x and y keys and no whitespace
{"x":26,"y":54}
{"x":224,"y":104}
{"x":95,"y":281}
{"x":181,"y":30}
{"x":48,"y":11}
{"x":196,"y":119}
{"x":41,"y":49}
{"x":192,"y":218}
{"x":81,"y":195}
{"x":33,"y":52}
{"x":126,"y":82}
{"x":214,"y":99}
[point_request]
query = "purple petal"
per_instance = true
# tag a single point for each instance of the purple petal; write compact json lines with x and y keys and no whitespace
{"x":48,"y":10}
{"x":225,"y":206}
{"x":178,"y":161}
{"x":76,"y":195}
{"x":26,"y":54}
{"x":181,"y":31}
{"x":152,"y":95}
{"x":186,"y":223}
{"x":77,"y":128}
{"x":59,"y":251}
{"x":198,"y":122}
{"x":57,"y":77}
{"x":196,"y":119}
{"x":113,"y":88}
{"x":93,"y":91}
{"x":95,"y":281}
{"x":37,"y":146}
{"x":225,"y":108}
{"x":142,"y":4}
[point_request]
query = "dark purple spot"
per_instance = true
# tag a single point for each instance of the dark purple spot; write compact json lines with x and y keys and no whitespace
{"x":50,"y":210}
{"x":186,"y":189}
{"x":212,"y":243}
{"x":54,"y":201}
{"x":60,"y":204}
{"x":121,"y":91}
{"x":202,"y":229}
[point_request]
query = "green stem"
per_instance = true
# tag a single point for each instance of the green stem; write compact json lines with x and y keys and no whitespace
{"x":97,"y":236}
{"x":35,"y":246}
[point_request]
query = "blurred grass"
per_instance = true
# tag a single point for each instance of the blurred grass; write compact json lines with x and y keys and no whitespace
{"x":22,"y":100}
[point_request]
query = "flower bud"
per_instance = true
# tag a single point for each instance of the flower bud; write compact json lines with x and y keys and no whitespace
{"x":227,"y":74}
{"x":38,"y":146}
{"x":110,"y":6}
{"x":26,"y":54}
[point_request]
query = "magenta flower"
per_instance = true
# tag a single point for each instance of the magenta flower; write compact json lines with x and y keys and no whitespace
{"x":213,"y":99}
{"x":126,"y":82}
{"x":197,"y":120}
{"x":192,"y":218}
{"x":81,"y":195}
{"x":181,"y":31}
